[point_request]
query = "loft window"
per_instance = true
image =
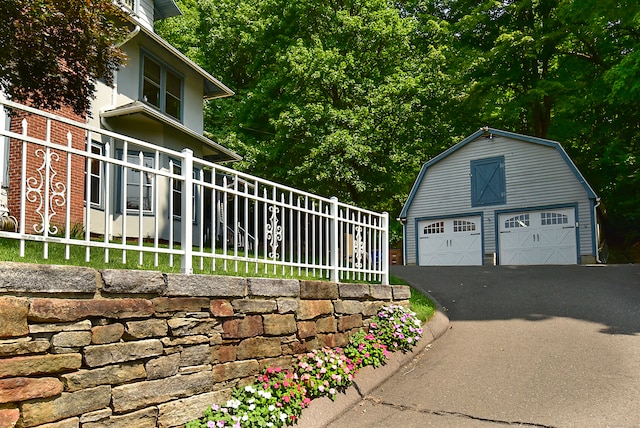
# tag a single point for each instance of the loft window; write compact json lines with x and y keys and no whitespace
{"x":161,"y":87}
{"x":488,"y":185}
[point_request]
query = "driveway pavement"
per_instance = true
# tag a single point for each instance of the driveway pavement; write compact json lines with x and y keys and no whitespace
{"x":543,"y":346}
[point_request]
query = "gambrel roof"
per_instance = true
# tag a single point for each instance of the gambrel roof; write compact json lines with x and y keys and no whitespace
{"x":488,"y":132}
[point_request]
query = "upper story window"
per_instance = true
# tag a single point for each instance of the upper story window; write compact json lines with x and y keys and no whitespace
{"x":128,"y":3}
{"x":161,"y":87}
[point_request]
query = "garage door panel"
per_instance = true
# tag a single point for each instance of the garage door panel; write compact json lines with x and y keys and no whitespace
{"x":538,"y":237}
{"x":450,"y":242}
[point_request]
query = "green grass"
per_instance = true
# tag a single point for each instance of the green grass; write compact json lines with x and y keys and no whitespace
{"x":423,"y":306}
{"x":9,"y":251}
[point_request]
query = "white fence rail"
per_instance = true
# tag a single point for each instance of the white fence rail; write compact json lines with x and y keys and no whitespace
{"x":74,"y":185}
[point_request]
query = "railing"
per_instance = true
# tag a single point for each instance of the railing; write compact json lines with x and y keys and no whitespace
{"x":129,"y":196}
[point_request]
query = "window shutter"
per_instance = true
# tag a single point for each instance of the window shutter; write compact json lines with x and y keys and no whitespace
{"x":488,"y":185}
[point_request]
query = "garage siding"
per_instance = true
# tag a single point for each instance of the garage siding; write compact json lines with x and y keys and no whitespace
{"x":536,"y":176}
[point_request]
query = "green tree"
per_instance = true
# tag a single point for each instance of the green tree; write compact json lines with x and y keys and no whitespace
{"x":557,"y":69}
{"x":331,"y":97}
{"x":53,"y":51}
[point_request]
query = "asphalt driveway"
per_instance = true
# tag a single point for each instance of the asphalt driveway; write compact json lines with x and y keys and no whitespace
{"x":542,"y":346}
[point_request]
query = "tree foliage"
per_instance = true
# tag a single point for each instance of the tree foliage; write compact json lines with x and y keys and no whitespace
{"x":332,"y":97}
{"x":52,"y":51}
{"x":350,"y":97}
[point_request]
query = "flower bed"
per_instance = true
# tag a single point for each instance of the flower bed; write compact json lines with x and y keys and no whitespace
{"x":277,"y":397}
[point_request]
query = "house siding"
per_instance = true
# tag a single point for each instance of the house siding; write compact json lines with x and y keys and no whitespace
{"x":536,"y":176}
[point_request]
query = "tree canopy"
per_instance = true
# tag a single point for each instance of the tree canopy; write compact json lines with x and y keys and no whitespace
{"x":349,"y":98}
{"x":53,"y":51}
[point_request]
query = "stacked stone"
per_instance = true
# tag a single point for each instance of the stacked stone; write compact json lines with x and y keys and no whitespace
{"x":81,"y":348}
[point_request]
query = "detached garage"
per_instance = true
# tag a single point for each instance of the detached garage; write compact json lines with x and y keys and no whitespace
{"x":500,"y":197}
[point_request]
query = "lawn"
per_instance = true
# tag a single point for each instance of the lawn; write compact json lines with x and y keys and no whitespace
{"x":9,"y":251}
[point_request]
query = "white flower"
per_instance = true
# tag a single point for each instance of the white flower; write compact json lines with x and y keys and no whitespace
{"x":252,"y":407}
{"x":233,"y":403}
{"x":265,"y":394}
{"x":250,"y":389}
{"x":271,"y":407}
{"x":283,"y":417}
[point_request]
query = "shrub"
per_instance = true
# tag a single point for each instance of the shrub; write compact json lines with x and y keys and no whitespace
{"x":325,"y":372}
{"x":365,"y":349}
{"x":396,"y":327}
{"x":275,"y":399}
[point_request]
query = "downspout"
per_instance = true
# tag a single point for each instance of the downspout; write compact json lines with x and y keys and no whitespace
{"x":597,"y":229}
{"x":404,"y":240}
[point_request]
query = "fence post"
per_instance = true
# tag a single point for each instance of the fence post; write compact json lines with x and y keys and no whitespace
{"x":186,"y":227}
{"x":384,"y":262}
{"x":335,"y":251}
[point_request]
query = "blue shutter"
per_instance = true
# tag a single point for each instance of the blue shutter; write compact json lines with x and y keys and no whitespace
{"x":488,"y":182}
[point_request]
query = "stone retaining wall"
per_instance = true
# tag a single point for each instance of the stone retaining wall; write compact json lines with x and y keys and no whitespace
{"x":113,"y":348}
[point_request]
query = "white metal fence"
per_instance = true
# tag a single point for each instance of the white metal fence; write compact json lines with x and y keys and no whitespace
{"x":74,"y":185}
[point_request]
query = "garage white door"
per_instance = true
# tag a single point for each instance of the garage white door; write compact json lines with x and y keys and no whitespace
{"x":538,"y":237}
{"x":450,"y":242}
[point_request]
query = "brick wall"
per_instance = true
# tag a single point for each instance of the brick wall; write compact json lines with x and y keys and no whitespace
{"x":37,"y":128}
{"x":113,"y":348}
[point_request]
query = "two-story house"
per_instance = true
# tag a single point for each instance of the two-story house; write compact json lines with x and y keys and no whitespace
{"x":158,"y":97}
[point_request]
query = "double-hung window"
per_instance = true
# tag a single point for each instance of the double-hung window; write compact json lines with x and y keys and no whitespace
{"x":95,"y":173}
{"x":162,"y":87}
{"x":176,"y":192}
{"x":140,"y":184}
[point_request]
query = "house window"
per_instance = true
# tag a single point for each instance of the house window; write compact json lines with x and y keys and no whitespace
{"x":95,"y":173}
{"x":176,"y":192}
{"x":128,"y":3}
{"x":161,"y":87}
{"x":488,"y":185}
{"x":138,"y":181}
{"x":433,"y":228}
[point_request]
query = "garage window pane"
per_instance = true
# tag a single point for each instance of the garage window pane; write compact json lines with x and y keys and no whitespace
{"x":437,"y":227}
{"x":548,"y":219}
{"x":463,"y":226}
{"x":521,"y":220}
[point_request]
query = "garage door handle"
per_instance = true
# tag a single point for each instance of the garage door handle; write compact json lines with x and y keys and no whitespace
{"x":569,"y":227}
{"x":505,"y":231}
{"x":477,"y":233}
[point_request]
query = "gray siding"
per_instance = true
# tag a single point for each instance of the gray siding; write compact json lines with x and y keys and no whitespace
{"x":536,"y":175}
